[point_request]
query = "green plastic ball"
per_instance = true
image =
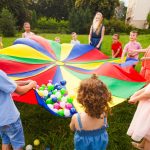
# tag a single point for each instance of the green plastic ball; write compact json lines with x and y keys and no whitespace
{"x":63,"y":91}
{"x":69,"y":100}
{"x":49,"y":101}
{"x":61,"y":112}
{"x":50,"y":87}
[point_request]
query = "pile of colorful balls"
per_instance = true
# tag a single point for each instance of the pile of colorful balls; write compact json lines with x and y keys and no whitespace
{"x":56,"y":97}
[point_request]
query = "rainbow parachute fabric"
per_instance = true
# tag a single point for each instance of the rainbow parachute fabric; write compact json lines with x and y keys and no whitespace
{"x":42,"y":60}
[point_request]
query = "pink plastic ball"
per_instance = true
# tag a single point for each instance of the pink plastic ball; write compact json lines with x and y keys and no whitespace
{"x":56,"y":106}
{"x":68,"y":106}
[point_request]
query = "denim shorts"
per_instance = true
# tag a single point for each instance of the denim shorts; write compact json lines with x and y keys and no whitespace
{"x":13,"y":134}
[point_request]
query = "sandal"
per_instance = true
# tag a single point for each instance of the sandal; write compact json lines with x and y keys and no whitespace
{"x":137,"y":145}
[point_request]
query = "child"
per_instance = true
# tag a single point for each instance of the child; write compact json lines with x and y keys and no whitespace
{"x":11,"y":130}
{"x":116,"y":46}
{"x":97,"y":31}
{"x":57,"y":39}
{"x":1,"y":43}
{"x":140,"y":126}
{"x":131,"y":46}
{"x":74,"y":40}
{"x":27,"y":33}
{"x":90,"y":126}
{"x":145,"y":70}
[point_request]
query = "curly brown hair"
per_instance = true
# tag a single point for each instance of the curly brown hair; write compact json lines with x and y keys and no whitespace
{"x":94,"y":96}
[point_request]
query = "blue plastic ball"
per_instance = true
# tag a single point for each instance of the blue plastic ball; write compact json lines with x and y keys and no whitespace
{"x":56,"y":85}
{"x":63,"y":82}
{"x":72,"y":111}
{"x":54,"y":99}
{"x":49,"y":94}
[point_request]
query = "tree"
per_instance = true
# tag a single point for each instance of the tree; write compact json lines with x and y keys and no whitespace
{"x":105,"y":6}
{"x":19,"y":8}
{"x":80,"y":20}
{"x":7,"y":23}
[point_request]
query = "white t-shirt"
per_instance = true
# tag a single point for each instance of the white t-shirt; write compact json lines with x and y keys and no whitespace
{"x":27,"y":34}
{"x":74,"y":42}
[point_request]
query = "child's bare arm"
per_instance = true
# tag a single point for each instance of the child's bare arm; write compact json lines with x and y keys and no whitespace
{"x":25,"y":88}
{"x":72,"y":123}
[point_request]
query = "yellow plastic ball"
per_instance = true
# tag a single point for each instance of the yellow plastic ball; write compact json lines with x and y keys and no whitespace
{"x":36,"y":142}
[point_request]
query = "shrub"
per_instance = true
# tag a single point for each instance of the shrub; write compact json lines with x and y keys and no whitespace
{"x":52,"y":25}
{"x":7,"y":23}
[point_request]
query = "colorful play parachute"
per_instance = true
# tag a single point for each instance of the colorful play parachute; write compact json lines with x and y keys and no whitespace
{"x":42,"y":60}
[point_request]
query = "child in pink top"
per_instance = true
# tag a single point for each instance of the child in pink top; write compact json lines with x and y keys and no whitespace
{"x":131,"y":46}
{"x":27,"y":33}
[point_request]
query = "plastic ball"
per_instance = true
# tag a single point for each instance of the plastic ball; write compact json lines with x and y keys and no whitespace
{"x":36,"y":142}
{"x":49,"y":101}
{"x":37,"y":86}
{"x":49,"y":94}
{"x":62,"y":104}
{"x":29,"y":147}
{"x":50,"y":87}
{"x":58,"y":94}
{"x":69,"y":99}
{"x":43,"y":85}
{"x":50,"y":81}
{"x":66,"y":112}
{"x":41,"y":88}
{"x":54,"y":99}
{"x":41,"y":93}
{"x":56,"y":85}
{"x":56,"y":106}
{"x":72,"y":110}
{"x":63,"y":91}
{"x":68,"y":106}
{"x":50,"y":106}
{"x":63,"y":82}
{"x":54,"y":92}
{"x":55,"y":110}
{"x":64,"y":98}
{"x":45,"y":92}
{"x":61,"y":112}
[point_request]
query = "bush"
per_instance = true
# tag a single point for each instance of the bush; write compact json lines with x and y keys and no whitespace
{"x":7,"y":23}
{"x":52,"y":25}
{"x":114,"y":26}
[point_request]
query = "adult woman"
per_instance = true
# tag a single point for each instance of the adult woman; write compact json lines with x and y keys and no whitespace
{"x":97,"y":31}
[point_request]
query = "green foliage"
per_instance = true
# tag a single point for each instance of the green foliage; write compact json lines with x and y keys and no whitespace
{"x":115,"y":25}
{"x":105,"y":6}
{"x":19,"y":8}
{"x":52,"y":25}
{"x":34,"y":19}
{"x":80,"y":20}
{"x":7,"y":23}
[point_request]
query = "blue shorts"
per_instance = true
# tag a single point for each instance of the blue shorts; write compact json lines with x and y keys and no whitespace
{"x":13,"y":134}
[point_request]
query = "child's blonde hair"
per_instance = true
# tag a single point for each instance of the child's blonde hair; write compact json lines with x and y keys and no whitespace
{"x":94,"y":96}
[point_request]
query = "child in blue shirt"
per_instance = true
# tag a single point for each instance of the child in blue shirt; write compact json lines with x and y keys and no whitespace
{"x":90,"y":126}
{"x":11,"y":130}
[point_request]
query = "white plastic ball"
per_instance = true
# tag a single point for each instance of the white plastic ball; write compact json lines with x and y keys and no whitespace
{"x":64,"y":99}
{"x":66,"y":112}
{"x":62,"y":104}
{"x":45,"y":92}
{"x":50,"y":106}
{"x":29,"y":147}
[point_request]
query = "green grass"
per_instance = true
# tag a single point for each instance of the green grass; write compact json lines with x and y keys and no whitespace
{"x":55,"y":132}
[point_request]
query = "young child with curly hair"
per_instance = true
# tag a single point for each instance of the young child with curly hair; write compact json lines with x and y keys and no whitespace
{"x":90,"y":126}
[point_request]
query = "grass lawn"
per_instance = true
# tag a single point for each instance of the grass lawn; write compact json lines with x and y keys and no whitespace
{"x":54,"y":131}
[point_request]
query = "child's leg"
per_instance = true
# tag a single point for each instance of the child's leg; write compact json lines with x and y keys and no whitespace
{"x":6,"y":147}
{"x":147,"y":145}
{"x":139,"y":145}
